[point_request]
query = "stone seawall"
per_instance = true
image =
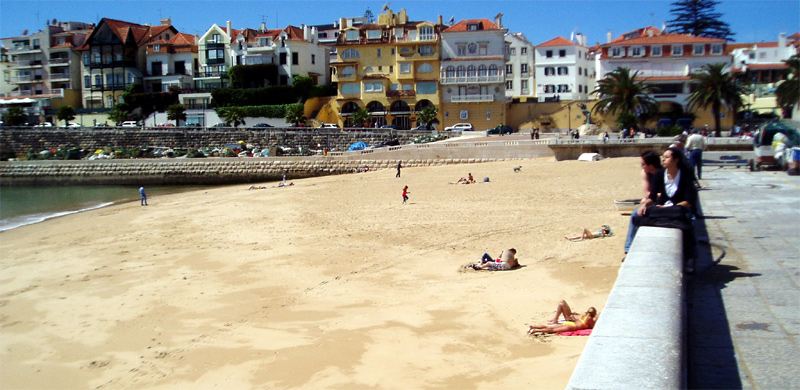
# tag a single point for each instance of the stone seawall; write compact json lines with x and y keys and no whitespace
{"x":18,"y":141}
{"x":194,"y":171}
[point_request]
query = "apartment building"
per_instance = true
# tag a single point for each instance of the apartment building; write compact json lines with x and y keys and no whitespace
{"x":295,"y":51}
{"x":664,"y":61}
{"x":761,"y":66}
{"x":171,"y":61}
{"x":214,"y":58}
{"x":388,"y":68}
{"x":472,"y":73}
{"x":564,"y":69}
{"x":520,"y":80}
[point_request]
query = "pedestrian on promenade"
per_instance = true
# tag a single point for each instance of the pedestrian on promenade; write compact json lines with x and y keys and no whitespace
{"x":695,"y":145}
{"x":399,"y":165}
{"x":405,"y":194}
{"x":142,"y":196}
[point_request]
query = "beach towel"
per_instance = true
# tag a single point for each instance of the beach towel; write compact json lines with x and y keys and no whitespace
{"x":582,"y":332}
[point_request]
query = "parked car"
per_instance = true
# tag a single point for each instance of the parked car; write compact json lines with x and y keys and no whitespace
{"x":44,"y":124}
{"x":262,"y":125}
{"x":129,"y":124}
{"x":329,"y":126}
{"x":422,"y":128}
{"x":501,"y":130}
{"x":221,"y":124}
{"x":460,"y":127}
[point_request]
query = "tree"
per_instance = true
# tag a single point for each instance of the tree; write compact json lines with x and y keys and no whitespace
{"x":303,"y":86}
{"x":360,"y":116}
{"x":788,"y":91}
{"x":177,"y":113}
{"x":698,"y":18}
{"x":119,"y":113}
{"x":715,"y":87}
{"x":66,"y":114}
{"x":294,"y":115}
{"x":426,"y":116}
{"x":232,"y":116}
{"x":15,"y":116}
{"x":620,"y":93}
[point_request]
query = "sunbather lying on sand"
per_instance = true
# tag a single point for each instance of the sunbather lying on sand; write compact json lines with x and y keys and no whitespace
{"x":604,"y":231}
{"x":505,"y":262}
{"x":466,"y":180}
{"x":572,"y":321}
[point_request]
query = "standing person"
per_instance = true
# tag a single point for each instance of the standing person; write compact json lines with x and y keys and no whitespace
{"x":695,"y":145}
{"x":605,"y":137}
{"x":142,"y":196}
{"x":405,"y":194}
{"x":399,"y":165}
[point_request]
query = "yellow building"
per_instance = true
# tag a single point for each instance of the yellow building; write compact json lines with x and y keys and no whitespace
{"x":390,"y":68}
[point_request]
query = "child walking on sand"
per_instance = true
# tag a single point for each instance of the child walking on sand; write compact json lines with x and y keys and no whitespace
{"x":405,"y":194}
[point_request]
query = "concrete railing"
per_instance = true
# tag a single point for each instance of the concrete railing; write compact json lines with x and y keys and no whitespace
{"x":638,"y":341}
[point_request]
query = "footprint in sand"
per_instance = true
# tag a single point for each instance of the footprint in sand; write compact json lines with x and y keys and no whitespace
{"x":98,"y":363}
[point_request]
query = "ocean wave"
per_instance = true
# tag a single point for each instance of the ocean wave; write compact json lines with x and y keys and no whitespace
{"x":15,"y":222}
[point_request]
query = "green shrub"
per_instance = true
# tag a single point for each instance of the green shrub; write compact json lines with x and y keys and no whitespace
{"x":669,"y":131}
{"x":273,"y":111}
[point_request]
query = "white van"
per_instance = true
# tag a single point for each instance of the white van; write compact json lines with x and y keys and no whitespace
{"x":129,"y":124}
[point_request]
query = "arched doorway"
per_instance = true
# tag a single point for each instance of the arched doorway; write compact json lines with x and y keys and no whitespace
{"x":421,"y":105}
{"x":377,"y":114}
{"x":347,"y":113}
{"x":401,"y":113}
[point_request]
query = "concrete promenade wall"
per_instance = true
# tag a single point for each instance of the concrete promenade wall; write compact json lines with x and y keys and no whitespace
{"x":568,"y":149}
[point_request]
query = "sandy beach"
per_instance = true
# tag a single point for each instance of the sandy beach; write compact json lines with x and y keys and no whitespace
{"x":331,"y":283}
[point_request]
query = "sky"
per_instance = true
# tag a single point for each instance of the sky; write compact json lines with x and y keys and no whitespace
{"x":539,"y":20}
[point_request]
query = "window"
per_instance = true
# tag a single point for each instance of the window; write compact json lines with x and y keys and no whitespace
{"x":155,"y":68}
{"x":509,"y":84}
{"x":351,"y":89}
{"x":509,"y":69}
{"x":698,"y":50}
{"x":408,"y":87}
{"x":549,"y":71}
{"x":313,"y":59}
{"x":655,"y":51}
{"x":399,"y":33}
{"x":426,"y":87}
{"x":580,"y":53}
{"x":373,"y":86}
{"x":156,"y":47}
{"x":282,"y":59}
{"x":562,"y":53}
{"x":405,"y":67}
{"x":450,"y":71}
{"x":493,"y":70}
{"x":180,"y":67}
{"x":482,"y":70}
{"x":523,"y":50}
{"x":295,"y":58}
{"x":86,"y":59}
{"x":617,"y":52}
{"x":548,"y":54}
{"x":461,"y":71}
{"x":580,"y":71}
{"x":563,"y":71}
{"x":425,"y":68}
{"x":523,"y":68}
{"x":513,"y":51}
{"x":472,"y":48}
{"x":98,"y":80}
{"x":472,"y":27}
{"x":373,"y":34}
{"x":637,"y":51}
{"x":87,"y":81}
{"x":716,"y":49}
{"x":762,"y":55}
{"x":215,"y":38}
{"x":464,"y":114}
{"x":563,"y":88}
{"x":483,"y":49}
{"x":471,"y":71}
{"x":677,"y":50}
{"x":425,"y":50}
{"x":524,"y":85}
{"x":426,"y":33}
{"x":752,"y":55}
{"x":549,"y":88}
{"x":461,"y":49}
{"x":351,"y":35}
{"x":347,"y":71}
{"x":349,"y":53}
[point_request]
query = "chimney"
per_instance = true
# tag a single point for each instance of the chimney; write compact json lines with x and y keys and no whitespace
{"x":781,"y":40}
{"x":263,"y":27}
{"x":608,"y":37}
{"x":498,"y":19}
{"x":439,"y":20}
{"x":649,"y":32}
{"x":166,"y":22}
{"x":228,"y":26}
{"x":342,"y":23}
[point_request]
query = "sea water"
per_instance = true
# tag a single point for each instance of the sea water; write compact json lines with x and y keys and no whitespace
{"x":20,"y":206}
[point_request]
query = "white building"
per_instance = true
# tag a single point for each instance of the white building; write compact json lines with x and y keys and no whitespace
{"x":520,"y":81}
{"x":564,"y":70}
{"x":170,"y":62}
{"x":214,"y":58}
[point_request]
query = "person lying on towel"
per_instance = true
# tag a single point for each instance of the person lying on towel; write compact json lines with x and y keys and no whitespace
{"x":572,"y":321}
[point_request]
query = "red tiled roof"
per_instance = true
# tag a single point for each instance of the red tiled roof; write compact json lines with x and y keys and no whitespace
{"x":780,"y":65}
{"x":123,"y":30}
{"x":638,"y":33}
{"x":794,"y":36}
{"x":462,"y":26}
{"x":664,"y":39}
{"x":557,"y":41}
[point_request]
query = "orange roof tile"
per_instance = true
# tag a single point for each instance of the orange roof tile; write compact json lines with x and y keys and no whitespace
{"x":483,"y":25}
{"x":557,"y":41}
{"x":664,"y":39}
{"x":780,"y":65}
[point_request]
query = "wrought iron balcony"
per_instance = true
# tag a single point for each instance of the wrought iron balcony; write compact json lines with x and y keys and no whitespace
{"x":471,"y":79}
{"x":472,"y":99}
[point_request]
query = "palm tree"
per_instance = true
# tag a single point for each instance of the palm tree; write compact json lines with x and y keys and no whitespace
{"x":620,"y":92}
{"x":789,"y":90}
{"x":715,"y":87}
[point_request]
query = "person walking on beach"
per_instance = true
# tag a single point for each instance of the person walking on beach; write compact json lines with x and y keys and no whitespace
{"x":694,"y":146}
{"x":405,"y":194}
{"x":399,"y":165}
{"x":142,"y":196}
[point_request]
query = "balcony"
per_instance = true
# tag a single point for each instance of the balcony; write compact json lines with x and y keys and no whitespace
{"x":59,"y":61}
{"x":409,"y":93}
{"x":112,"y":64}
{"x":25,"y":49}
{"x":210,"y":74}
{"x":472,"y":99}
{"x":59,"y":76}
{"x":471,"y":79}
{"x":27,"y":79}
{"x":109,"y":87}
{"x":28,"y":63}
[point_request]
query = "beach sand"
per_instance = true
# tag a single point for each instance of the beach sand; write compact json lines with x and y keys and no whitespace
{"x":330,"y":283}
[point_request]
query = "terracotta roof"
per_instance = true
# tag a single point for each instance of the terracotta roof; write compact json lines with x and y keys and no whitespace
{"x":294,"y":33}
{"x":483,"y":25}
{"x":557,"y":41}
{"x":123,"y":30}
{"x":638,"y":33}
{"x":780,"y":65}
{"x":664,"y":39}
{"x":794,"y":36}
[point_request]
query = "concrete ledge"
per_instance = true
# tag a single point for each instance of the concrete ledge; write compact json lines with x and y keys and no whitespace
{"x":638,"y":341}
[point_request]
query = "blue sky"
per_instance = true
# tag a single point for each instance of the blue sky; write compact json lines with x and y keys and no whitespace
{"x":539,"y":20}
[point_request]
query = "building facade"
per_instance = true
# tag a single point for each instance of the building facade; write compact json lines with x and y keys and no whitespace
{"x":389,"y":68}
{"x":762,"y":67}
{"x":564,"y":70}
{"x":171,"y":62}
{"x":472,"y":73}
{"x":214,"y":58}
{"x":520,"y":67}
